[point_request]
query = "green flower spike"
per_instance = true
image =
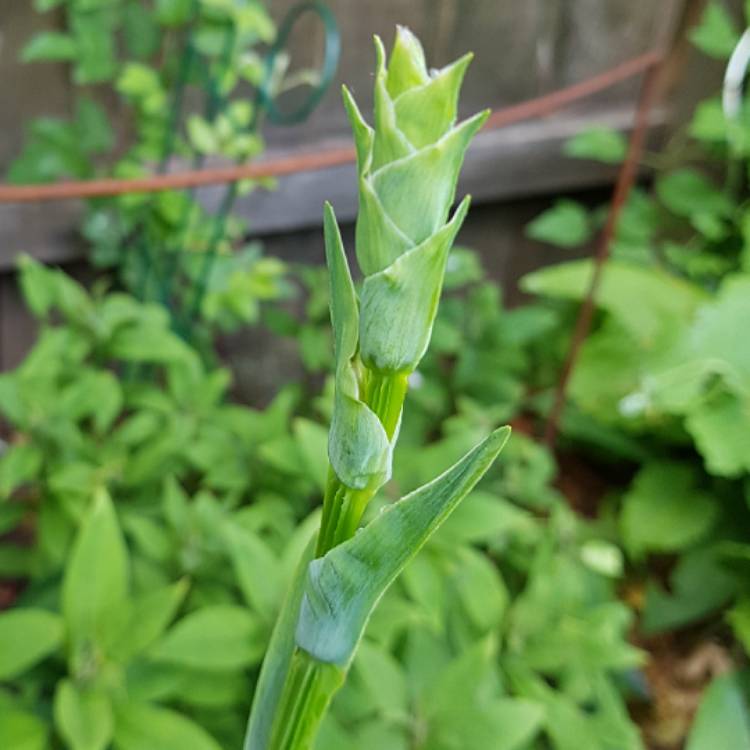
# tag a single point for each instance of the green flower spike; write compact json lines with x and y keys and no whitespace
{"x":408,"y":167}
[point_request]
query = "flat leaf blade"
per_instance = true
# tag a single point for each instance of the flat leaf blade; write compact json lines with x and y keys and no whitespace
{"x":94,"y":593}
{"x":343,"y":587}
{"x":26,"y":637}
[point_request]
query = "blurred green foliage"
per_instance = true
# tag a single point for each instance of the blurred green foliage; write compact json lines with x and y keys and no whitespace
{"x":184,"y":75}
{"x":156,"y":524}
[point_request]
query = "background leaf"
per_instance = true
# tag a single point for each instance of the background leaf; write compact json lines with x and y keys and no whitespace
{"x":566,"y":224}
{"x":95,"y":587}
{"x":722,"y":719}
{"x":84,"y":717}
{"x":26,"y":637}
{"x":220,"y":637}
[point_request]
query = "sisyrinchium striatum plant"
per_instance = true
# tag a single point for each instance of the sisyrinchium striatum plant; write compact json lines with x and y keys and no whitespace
{"x":408,"y":166}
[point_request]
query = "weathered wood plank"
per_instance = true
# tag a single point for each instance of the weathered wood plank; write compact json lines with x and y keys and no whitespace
{"x":522,"y":160}
{"x":28,"y":90}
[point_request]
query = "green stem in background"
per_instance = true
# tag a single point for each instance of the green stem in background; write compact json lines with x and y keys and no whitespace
{"x":343,"y":506}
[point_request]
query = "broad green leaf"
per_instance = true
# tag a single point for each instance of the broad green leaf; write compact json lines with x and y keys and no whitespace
{"x":566,"y":224}
{"x":383,"y":678}
{"x":277,"y":660}
{"x":146,"y":343}
{"x":94,"y":130}
{"x":95,"y":585}
{"x":20,"y":730}
{"x":486,"y":518}
{"x":376,"y":735}
{"x":698,"y":586}
{"x":603,"y":557}
{"x":709,"y":122}
{"x":256,"y":568}
{"x":719,"y":425}
{"x":19,"y":463}
{"x":600,"y":144}
{"x":26,"y":637}
{"x":716,"y":334}
{"x":716,"y":35}
{"x":96,"y":54}
{"x":83,"y":717}
{"x":202,"y":136}
{"x":175,"y":503}
{"x":146,"y":727}
{"x":219,"y":637}
{"x":15,"y":561}
{"x":424,"y":581}
{"x":503,"y":724}
{"x":686,"y":192}
{"x":664,"y":510}
{"x":150,"y":616}
{"x":312,"y":442}
{"x":205,"y":689}
{"x":464,"y":682}
{"x":139,"y":81}
{"x":11,"y":514}
{"x":344,"y":586}
{"x":663,"y":299}
{"x":173,"y":12}
{"x":480,"y":588}
{"x":722,"y":719}
{"x":141,"y":32}
{"x":49,"y":46}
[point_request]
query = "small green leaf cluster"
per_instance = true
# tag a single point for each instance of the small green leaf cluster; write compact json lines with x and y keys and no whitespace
{"x":151,"y":581}
{"x":193,"y":513}
{"x":142,"y":53}
{"x":663,"y":381}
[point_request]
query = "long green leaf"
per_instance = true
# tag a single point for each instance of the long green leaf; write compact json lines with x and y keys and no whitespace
{"x":343,"y":587}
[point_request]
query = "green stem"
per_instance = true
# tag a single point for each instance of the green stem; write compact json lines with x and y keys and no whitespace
{"x":343,"y":506}
{"x":307,"y":693}
{"x":309,"y":684}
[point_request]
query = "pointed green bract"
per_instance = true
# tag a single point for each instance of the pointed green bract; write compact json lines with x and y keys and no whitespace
{"x":424,"y":114}
{"x":358,"y":448}
{"x":344,"y":586}
{"x":419,"y":211}
{"x":399,"y":304}
{"x":409,"y":163}
{"x":408,"y":67}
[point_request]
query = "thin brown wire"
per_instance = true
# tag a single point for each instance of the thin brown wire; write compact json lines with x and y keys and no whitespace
{"x":625,"y":181}
{"x":311,"y":161}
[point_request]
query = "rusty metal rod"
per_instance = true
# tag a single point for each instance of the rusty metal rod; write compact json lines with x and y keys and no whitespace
{"x":314,"y":160}
{"x":625,"y":181}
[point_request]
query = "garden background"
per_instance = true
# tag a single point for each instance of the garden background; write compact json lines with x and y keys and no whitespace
{"x":166,"y":386}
